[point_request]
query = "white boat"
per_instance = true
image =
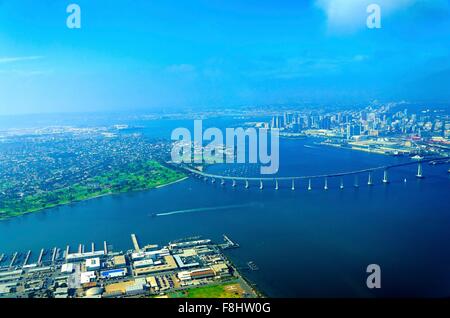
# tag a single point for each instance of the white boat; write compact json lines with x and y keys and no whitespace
{"x":417,"y":157}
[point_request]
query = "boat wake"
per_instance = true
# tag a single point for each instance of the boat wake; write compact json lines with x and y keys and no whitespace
{"x":215,"y":208}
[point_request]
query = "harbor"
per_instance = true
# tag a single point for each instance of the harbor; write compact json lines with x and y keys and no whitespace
{"x":265,"y":221}
{"x":146,"y":271}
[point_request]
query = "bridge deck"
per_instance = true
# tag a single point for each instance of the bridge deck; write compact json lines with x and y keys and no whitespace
{"x":340,"y":174}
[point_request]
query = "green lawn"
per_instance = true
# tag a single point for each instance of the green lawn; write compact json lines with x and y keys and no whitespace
{"x":226,"y":290}
{"x":135,"y":177}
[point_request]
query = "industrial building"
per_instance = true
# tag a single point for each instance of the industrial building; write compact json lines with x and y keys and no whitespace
{"x":92,"y":264}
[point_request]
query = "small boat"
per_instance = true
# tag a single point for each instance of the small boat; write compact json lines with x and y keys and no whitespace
{"x":417,"y":157}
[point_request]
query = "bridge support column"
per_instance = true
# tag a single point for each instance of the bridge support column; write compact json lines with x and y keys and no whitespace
{"x":419,"y":171}
{"x":370,"y":182}
{"x":246,"y":184}
{"x":276,"y":184}
{"x":222,"y":182}
{"x":213,"y":180}
{"x":234,"y":183}
{"x":342,"y":184}
{"x":261,"y":186}
{"x":309,"y":185}
{"x":356,"y":181}
{"x":325,"y":187}
{"x":293,"y":185}
{"x":385,"y":177}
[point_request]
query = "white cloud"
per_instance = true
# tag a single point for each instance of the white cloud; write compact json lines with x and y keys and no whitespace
{"x":13,"y":59}
{"x":350,"y":15}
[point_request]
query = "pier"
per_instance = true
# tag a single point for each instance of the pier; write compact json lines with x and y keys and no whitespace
{"x":135,"y":242}
{"x":54,"y":254}
{"x":41,"y":254}
{"x":26,"y":258}
{"x":13,"y":259}
{"x":252,"y":266}
{"x":228,"y":243}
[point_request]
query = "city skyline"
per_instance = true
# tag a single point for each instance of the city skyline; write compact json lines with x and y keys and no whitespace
{"x":148,"y":56}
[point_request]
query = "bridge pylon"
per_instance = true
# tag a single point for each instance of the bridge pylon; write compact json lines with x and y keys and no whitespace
{"x":222,"y":182}
{"x":276,"y":184}
{"x":342,"y":184}
{"x":293,"y":185}
{"x":385,"y":176}
{"x":309,"y":185}
{"x":325,"y":187}
{"x":261,"y":185}
{"x":370,"y":182}
{"x":234,"y":183}
{"x":246,"y":184}
{"x":419,"y":171}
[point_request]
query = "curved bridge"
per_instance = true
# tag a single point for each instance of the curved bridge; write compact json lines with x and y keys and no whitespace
{"x":369,"y":171}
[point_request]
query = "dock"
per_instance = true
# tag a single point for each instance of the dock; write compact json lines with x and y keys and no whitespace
{"x":26,"y":258}
{"x":41,"y":254}
{"x":13,"y":259}
{"x":252,"y":266}
{"x":228,"y":243}
{"x":54,"y":254}
{"x":135,"y":242}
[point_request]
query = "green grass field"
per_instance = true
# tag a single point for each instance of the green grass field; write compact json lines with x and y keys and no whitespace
{"x":136,"y":177}
{"x":226,"y":290}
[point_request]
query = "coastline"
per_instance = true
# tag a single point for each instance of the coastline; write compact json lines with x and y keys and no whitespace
{"x":170,"y":183}
{"x":379,"y":152}
{"x":90,"y":198}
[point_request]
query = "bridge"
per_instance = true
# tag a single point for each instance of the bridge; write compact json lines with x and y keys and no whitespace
{"x":325,"y":177}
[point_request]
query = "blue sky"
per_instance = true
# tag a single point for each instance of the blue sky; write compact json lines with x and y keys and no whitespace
{"x":172,"y":54}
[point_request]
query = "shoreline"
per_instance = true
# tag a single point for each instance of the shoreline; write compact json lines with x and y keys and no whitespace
{"x":90,"y":198}
{"x":355,"y":149}
{"x":170,"y":183}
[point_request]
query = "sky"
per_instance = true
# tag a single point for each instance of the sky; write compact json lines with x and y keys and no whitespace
{"x":172,"y":54}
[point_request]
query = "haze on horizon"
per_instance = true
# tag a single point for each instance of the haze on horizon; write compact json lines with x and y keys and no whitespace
{"x":219,"y":53}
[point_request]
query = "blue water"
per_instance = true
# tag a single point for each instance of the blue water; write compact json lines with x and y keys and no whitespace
{"x":305,"y":243}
